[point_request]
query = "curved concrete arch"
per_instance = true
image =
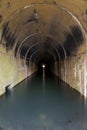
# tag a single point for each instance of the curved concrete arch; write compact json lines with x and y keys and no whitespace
{"x":77,"y":20}
{"x":64,"y":53}
{"x":19,"y":27}
{"x":50,"y":3}
{"x":25,"y":40}
{"x":39,"y":44}
{"x":33,"y":54}
{"x":39,"y":51}
{"x":30,"y":49}
{"x":50,"y":36}
{"x":53,"y":55}
{"x":22,"y":24}
{"x":55,"y":5}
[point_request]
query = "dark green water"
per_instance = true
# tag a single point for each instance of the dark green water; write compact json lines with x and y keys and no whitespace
{"x":38,"y":104}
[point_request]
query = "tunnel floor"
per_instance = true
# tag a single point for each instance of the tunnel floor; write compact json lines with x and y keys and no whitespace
{"x":41,"y":103}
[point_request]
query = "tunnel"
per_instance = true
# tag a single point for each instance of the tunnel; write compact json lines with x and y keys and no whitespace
{"x":43,"y":65}
{"x":34,"y":35}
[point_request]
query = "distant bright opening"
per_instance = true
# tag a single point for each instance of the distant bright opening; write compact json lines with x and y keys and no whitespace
{"x":43,"y":66}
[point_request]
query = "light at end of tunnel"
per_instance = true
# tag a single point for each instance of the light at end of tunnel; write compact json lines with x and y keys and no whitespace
{"x":43,"y":66}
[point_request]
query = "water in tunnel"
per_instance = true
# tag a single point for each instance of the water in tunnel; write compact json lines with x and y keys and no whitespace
{"x":49,"y":41}
{"x":43,"y":103}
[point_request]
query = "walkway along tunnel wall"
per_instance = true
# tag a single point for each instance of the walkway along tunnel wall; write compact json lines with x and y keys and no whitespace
{"x":43,"y":33}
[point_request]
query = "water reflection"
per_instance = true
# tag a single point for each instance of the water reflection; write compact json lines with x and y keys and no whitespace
{"x":43,"y":79}
{"x":42,"y":103}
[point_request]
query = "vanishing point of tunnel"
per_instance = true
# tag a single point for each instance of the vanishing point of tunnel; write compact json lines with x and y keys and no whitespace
{"x":43,"y":54}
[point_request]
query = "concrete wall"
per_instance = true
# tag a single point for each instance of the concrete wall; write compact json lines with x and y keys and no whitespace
{"x":73,"y":71}
{"x":12,"y":71}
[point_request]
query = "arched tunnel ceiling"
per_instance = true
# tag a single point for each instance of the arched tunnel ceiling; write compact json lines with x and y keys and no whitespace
{"x":77,"y":7}
{"x":43,"y":31}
